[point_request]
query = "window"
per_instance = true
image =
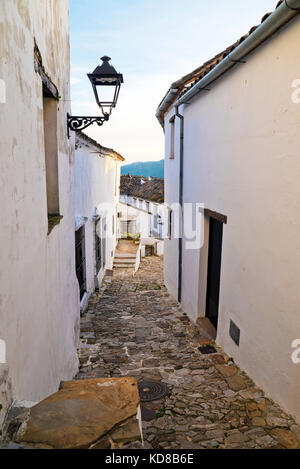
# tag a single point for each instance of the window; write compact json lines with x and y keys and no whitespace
{"x":80,"y":259}
{"x":51,"y":156}
{"x":98,"y":245}
{"x":127,"y":226}
{"x":170,"y":220}
{"x":50,"y":97}
{"x":172,"y":138}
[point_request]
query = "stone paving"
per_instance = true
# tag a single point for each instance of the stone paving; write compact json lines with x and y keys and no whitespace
{"x":133,"y":327}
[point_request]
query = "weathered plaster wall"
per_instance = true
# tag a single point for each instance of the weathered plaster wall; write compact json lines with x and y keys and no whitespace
{"x":97,"y":186}
{"x":241,"y":158}
{"x":39,"y":298}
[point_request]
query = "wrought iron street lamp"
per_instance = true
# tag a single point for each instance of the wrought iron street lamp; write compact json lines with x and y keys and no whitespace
{"x":104,"y":78}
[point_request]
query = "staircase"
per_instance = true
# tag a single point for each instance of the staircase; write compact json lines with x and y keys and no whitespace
{"x":124,"y":261}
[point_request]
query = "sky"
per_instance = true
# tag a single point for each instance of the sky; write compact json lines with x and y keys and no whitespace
{"x":152,"y":43}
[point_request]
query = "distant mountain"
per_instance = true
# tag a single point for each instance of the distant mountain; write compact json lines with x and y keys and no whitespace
{"x":144,"y":168}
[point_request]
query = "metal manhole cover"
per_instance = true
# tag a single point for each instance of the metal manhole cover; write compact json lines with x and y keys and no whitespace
{"x":207,"y":349}
{"x":152,"y":390}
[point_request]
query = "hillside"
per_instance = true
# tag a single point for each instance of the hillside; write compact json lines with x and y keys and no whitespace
{"x":144,"y":168}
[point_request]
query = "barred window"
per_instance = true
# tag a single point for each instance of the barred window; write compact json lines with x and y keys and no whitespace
{"x":98,"y":245}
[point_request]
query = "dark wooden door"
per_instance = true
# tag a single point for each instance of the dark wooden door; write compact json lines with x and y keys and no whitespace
{"x":104,"y":232}
{"x":214,"y":270}
{"x":80,"y":259}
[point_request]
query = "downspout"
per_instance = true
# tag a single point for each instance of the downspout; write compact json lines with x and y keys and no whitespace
{"x":181,"y":117}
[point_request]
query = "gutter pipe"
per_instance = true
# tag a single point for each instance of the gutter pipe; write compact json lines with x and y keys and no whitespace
{"x":181,"y":117}
{"x":284,"y":13}
{"x":164,"y":104}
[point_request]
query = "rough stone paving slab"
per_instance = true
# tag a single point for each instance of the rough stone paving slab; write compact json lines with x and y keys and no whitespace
{"x":81,"y":415}
{"x":141,"y":331}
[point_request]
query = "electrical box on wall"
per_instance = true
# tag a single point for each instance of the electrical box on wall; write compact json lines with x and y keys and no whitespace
{"x":234,"y":333}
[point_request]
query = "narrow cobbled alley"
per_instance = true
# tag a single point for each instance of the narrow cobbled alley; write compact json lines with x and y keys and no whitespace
{"x":133,"y":327}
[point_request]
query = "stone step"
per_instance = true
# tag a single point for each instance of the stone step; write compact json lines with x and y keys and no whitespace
{"x":124,"y":261}
{"x":124,"y":266}
{"x":125,"y":255}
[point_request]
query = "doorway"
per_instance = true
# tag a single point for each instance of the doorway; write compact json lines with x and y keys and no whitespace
{"x":80,"y":260}
{"x":214,"y":270}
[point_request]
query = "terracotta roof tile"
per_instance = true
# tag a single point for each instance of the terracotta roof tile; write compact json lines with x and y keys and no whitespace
{"x":152,"y":190}
{"x":189,"y":80}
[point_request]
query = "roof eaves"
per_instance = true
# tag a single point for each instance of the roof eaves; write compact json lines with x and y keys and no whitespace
{"x":184,"y":84}
{"x":104,"y":150}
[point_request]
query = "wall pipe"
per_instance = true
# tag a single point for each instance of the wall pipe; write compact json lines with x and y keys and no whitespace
{"x":180,"y":199}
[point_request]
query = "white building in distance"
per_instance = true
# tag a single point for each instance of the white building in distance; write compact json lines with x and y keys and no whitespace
{"x":142,"y":210}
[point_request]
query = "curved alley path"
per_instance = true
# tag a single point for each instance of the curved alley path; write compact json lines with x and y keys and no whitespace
{"x":133,"y":327}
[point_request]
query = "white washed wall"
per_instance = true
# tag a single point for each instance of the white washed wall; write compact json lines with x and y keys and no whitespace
{"x":96,"y":187}
{"x":241,"y":158}
{"x":39,"y":298}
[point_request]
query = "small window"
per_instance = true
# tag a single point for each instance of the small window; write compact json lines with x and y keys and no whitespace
{"x":51,"y":154}
{"x":170,"y":221}
{"x":172,"y":138}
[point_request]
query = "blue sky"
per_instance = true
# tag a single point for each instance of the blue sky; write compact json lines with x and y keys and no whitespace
{"x":153,"y":43}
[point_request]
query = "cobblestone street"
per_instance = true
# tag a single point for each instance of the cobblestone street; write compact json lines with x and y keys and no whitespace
{"x":133,"y":327}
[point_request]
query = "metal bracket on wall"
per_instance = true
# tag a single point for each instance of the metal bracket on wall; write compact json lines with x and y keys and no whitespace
{"x":77,"y":123}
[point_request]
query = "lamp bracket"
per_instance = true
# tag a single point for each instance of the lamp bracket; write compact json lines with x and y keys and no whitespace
{"x":77,"y":123}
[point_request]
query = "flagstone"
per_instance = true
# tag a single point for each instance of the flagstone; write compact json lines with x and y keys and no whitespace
{"x":142,"y":332}
{"x":81,"y":413}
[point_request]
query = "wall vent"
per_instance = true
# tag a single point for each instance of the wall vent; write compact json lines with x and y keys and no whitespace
{"x":234,"y":333}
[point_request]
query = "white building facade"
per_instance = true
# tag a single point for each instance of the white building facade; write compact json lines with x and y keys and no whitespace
{"x":148,"y":226}
{"x":97,"y":189}
{"x":232,"y":137}
{"x":39,"y":295}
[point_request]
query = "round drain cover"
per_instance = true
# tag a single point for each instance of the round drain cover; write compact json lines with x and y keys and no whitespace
{"x":152,"y":390}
